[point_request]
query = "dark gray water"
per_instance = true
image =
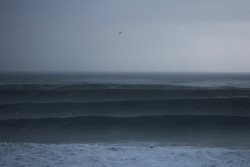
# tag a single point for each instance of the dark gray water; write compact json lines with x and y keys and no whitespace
{"x":191,"y":108}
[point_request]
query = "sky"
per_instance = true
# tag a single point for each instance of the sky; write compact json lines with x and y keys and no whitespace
{"x":157,"y":35}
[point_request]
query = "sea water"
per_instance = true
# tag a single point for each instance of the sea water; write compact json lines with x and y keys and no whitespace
{"x":124,"y":119}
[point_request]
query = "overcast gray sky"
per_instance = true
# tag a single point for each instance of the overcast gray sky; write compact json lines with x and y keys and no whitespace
{"x":157,"y":35}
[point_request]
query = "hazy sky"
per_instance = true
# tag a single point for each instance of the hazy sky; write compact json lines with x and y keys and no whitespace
{"x":157,"y":35}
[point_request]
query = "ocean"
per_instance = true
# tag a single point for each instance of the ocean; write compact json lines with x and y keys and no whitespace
{"x":125,"y":119}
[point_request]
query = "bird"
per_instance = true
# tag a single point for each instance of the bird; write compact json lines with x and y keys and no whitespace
{"x":120,"y":33}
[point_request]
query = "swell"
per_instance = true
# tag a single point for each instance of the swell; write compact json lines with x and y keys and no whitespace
{"x":128,"y":108}
{"x":93,"y":86}
{"x":19,"y":96}
{"x":161,"y":122}
{"x":93,"y":128}
{"x":88,"y":86}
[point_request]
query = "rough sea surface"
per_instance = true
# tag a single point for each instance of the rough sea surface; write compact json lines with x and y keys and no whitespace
{"x":124,"y":119}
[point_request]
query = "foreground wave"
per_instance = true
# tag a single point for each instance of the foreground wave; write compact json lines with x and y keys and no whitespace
{"x":190,"y":129}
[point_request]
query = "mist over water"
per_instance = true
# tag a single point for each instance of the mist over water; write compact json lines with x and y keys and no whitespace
{"x":157,"y":36}
{"x":143,"y":78}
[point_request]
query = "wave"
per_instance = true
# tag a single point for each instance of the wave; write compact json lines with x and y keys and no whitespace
{"x":93,"y":86}
{"x":95,"y":128}
{"x":123,"y":108}
{"x":86,"y":86}
{"x":19,"y":96}
{"x":143,"y":122}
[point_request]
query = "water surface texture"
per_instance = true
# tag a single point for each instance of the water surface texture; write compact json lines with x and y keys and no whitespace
{"x":183,"y":113}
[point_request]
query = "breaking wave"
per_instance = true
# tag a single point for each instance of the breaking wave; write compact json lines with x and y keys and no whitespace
{"x":187,"y":128}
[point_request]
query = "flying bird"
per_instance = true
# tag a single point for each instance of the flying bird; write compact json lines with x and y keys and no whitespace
{"x":120,"y":33}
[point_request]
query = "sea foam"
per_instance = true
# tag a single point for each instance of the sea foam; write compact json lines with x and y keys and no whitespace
{"x":119,"y":155}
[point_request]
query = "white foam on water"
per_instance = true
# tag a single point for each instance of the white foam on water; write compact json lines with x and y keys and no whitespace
{"x":119,"y":155}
